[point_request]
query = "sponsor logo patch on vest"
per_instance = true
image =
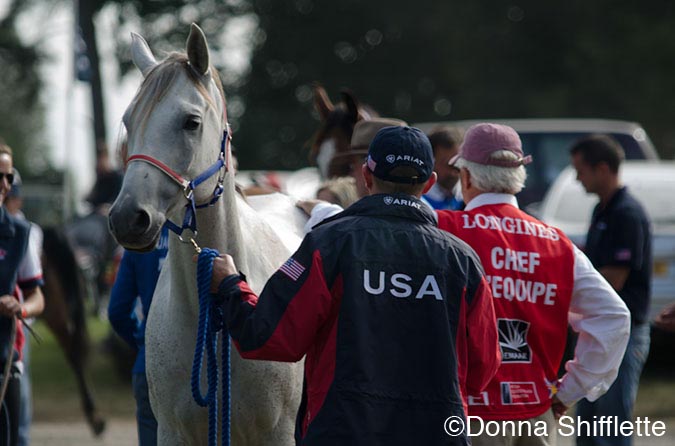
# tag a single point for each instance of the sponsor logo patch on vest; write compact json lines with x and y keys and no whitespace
{"x":479,"y":400}
{"x":519,"y":393}
{"x":513,"y":340}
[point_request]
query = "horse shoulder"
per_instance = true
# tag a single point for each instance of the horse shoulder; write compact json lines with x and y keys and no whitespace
{"x":272,"y":229}
{"x":280,"y":213}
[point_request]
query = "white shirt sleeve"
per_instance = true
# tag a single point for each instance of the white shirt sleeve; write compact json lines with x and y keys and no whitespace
{"x":30,"y":267}
{"x":321,"y":212}
{"x":602,"y":321}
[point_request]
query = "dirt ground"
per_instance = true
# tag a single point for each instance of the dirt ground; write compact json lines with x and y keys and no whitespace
{"x":119,"y":432}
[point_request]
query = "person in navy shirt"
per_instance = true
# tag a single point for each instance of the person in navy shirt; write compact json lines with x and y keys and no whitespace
{"x":442,"y":196}
{"x":619,"y":244}
{"x":136,"y":279}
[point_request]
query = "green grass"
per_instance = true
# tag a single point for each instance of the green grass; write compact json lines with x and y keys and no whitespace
{"x":55,"y":394}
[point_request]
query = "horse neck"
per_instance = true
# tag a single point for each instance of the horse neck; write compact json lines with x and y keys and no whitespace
{"x":218,"y":228}
{"x":221,"y":226}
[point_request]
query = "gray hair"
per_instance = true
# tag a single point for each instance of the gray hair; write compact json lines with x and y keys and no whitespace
{"x":505,"y":180}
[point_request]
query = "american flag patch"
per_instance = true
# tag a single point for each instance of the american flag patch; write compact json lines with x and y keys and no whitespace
{"x":622,"y":254}
{"x":292,"y":269}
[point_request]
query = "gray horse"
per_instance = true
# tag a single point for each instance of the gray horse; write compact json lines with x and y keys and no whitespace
{"x":175,"y":123}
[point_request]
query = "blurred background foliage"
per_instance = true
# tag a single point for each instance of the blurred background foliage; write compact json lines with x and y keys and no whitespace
{"x":419,"y":61}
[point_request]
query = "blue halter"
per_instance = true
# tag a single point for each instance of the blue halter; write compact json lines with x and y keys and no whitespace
{"x":190,"y":217}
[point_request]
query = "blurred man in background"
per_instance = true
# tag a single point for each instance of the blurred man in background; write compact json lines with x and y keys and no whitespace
{"x":443,"y":195}
{"x":619,"y":243}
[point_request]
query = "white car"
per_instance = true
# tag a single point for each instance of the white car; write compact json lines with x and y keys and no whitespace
{"x":568,"y":207}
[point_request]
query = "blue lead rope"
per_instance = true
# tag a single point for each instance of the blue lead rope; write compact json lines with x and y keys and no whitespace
{"x":210,"y":323}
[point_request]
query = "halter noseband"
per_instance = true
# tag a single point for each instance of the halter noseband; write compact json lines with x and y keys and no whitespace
{"x":188,"y":186}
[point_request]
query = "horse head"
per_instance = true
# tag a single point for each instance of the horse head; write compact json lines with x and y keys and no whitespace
{"x":337,"y":126}
{"x":178,"y":111}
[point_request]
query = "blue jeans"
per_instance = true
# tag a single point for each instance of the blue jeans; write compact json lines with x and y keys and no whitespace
{"x":147,"y":424}
{"x":620,"y":398}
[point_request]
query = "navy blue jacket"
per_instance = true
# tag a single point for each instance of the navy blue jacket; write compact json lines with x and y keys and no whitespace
{"x":13,"y":245}
{"x":395,"y":319}
{"x":136,"y":278}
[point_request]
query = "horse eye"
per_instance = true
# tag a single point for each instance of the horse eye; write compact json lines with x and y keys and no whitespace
{"x":192,"y":123}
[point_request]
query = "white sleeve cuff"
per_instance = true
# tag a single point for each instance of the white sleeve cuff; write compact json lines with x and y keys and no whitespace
{"x":321,"y":212}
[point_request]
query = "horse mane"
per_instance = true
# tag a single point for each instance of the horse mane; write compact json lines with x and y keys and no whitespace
{"x":159,"y":79}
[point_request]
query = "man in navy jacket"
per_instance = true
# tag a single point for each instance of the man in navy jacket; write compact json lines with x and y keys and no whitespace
{"x":137,"y":279}
{"x":394,"y":316}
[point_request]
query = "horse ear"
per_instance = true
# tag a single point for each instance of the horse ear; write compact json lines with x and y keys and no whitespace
{"x":197,"y":50}
{"x":141,"y":54}
{"x":352,"y":105}
{"x":322,"y":102}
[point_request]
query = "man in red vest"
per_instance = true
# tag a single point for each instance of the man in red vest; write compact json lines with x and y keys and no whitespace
{"x":540,"y":283}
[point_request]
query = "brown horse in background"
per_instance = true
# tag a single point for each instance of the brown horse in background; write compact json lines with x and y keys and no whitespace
{"x":65,"y":316}
{"x":334,"y":135}
{"x":329,"y":146}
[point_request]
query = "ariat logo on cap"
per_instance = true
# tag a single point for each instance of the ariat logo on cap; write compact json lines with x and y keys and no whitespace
{"x":398,"y":146}
{"x":408,"y":158}
{"x":388,"y":200}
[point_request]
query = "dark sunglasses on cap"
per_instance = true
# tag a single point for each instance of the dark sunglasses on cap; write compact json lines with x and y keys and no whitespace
{"x":9,"y":176}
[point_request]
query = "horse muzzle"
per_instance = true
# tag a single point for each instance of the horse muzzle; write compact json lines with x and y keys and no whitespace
{"x":135,"y":227}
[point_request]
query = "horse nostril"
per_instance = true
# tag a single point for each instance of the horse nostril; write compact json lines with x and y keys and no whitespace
{"x":141,"y":222}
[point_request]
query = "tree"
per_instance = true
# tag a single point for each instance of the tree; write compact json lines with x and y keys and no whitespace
{"x":443,"y":61}
{"x":164,"y":25}
{"x":20,"y":84}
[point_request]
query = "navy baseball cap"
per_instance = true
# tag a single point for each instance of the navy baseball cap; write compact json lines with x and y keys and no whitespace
{"x":399,"y":146}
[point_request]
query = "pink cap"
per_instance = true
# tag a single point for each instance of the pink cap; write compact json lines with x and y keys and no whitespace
{"x":482,"y":140}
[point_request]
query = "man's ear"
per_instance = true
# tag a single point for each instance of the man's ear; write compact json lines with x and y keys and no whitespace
{"x":465,"y":178}
{"x":368,"y":177}
{"x":430,"y":182}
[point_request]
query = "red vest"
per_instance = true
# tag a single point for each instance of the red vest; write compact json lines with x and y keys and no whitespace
{"x":530,"y":269}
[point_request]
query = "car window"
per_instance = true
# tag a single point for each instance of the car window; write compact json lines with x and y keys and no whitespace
{"x":630,"y":145}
